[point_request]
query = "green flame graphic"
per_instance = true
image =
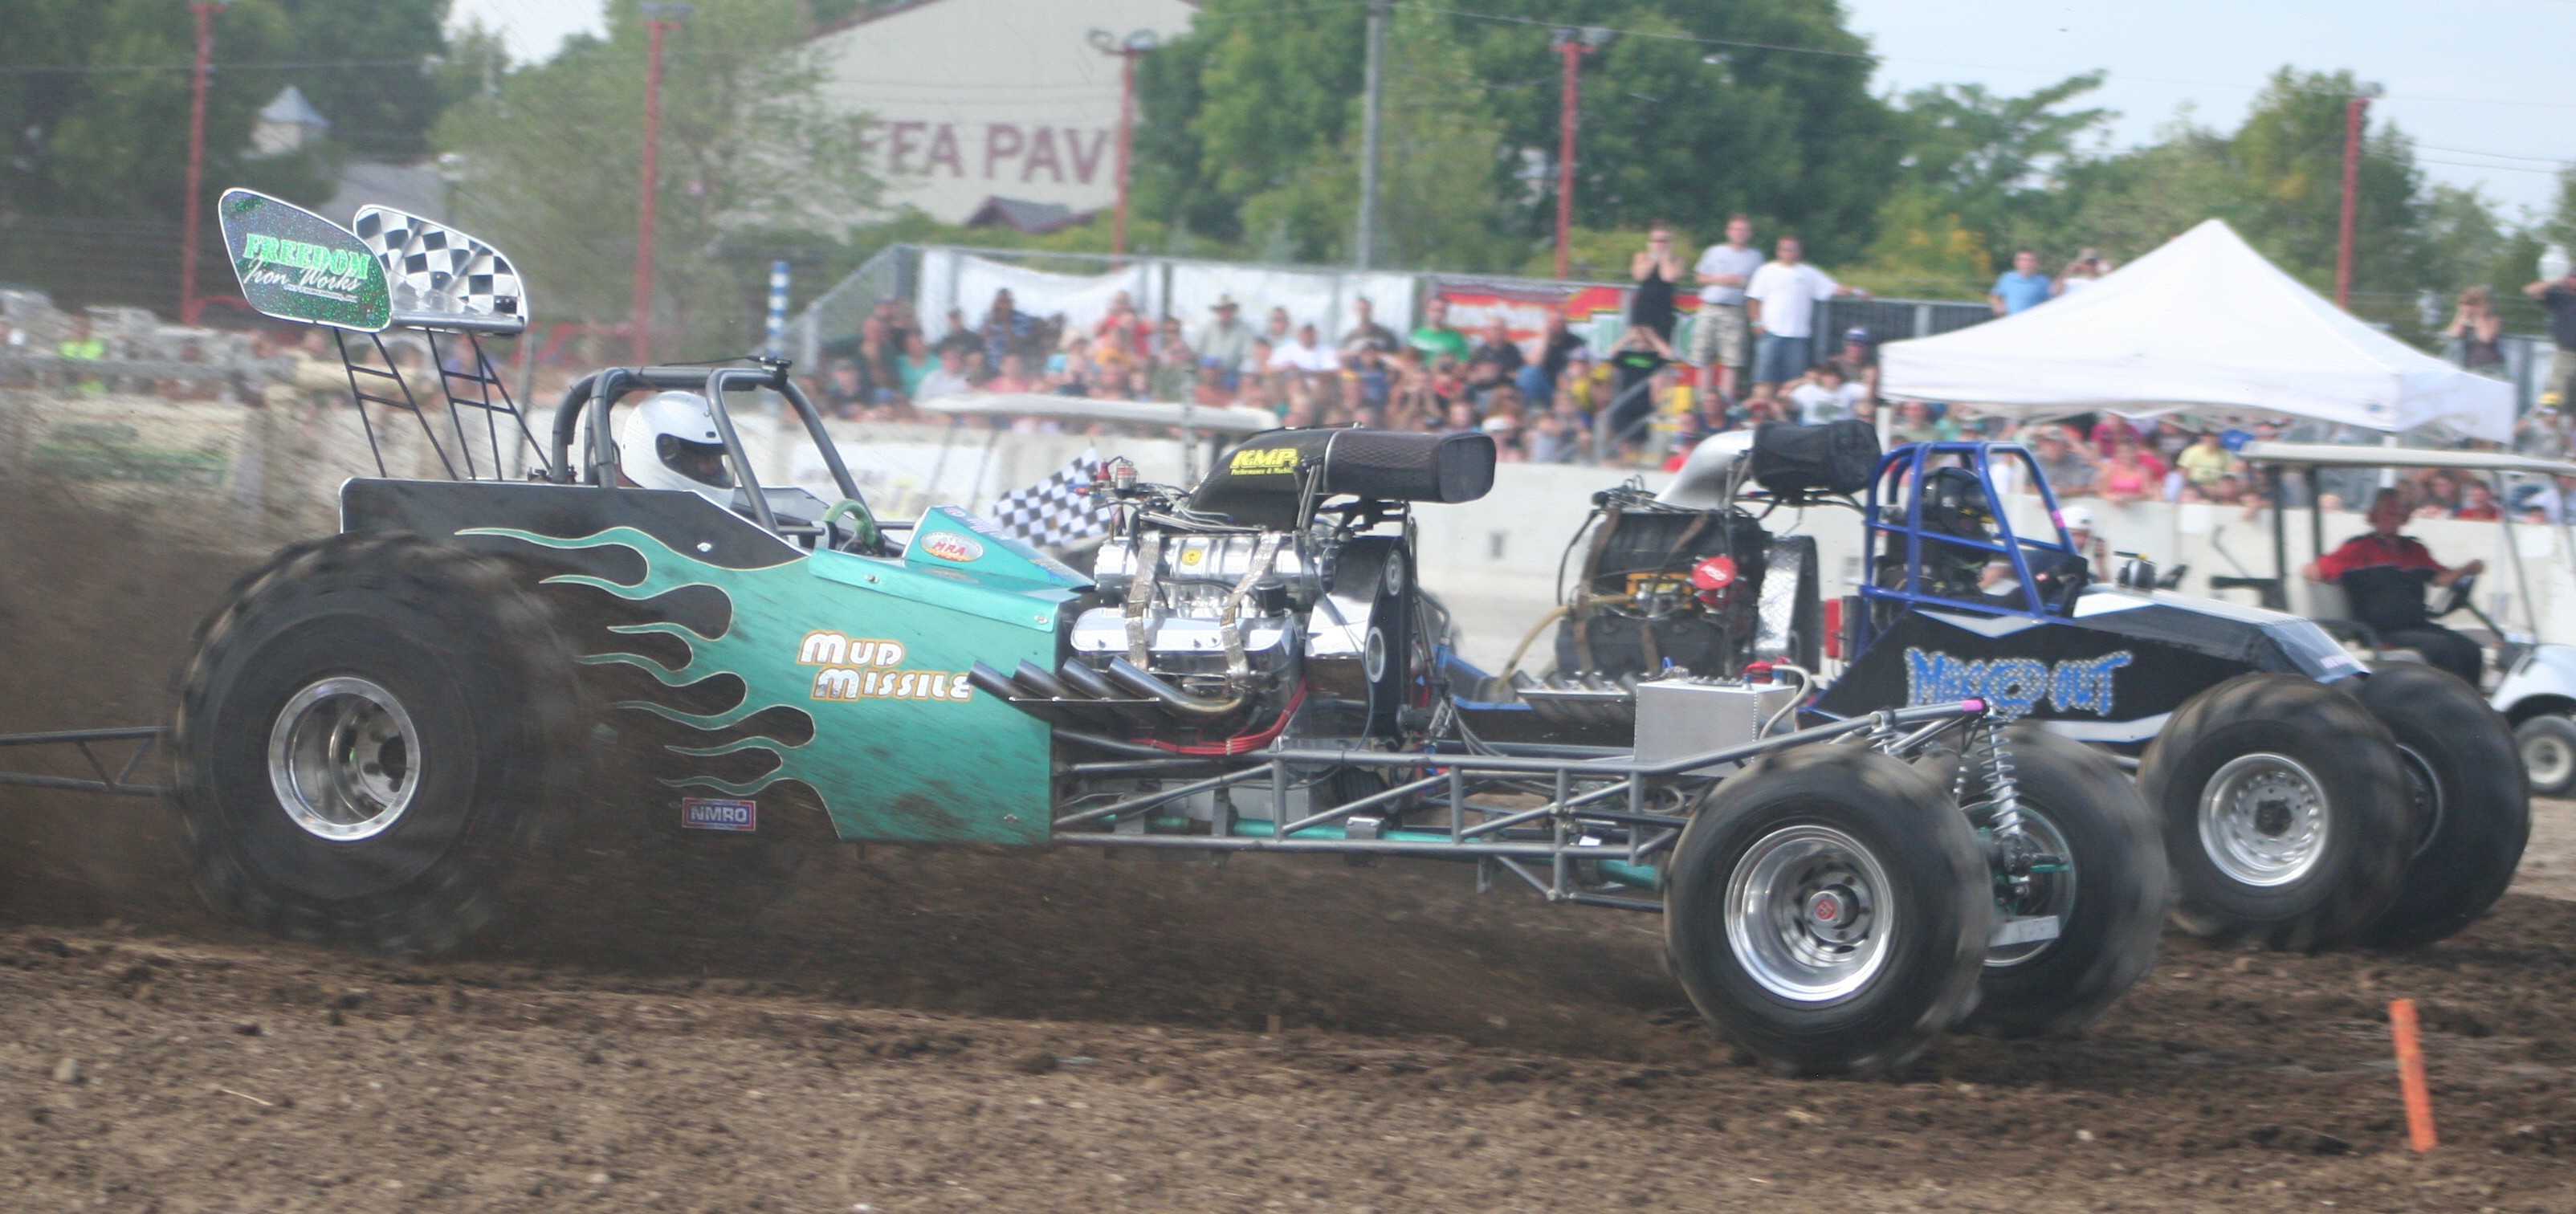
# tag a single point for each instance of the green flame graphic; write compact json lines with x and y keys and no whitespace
{"x":885,"y":769}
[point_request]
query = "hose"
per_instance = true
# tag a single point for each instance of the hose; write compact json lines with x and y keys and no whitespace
{"x":1806,"y":684}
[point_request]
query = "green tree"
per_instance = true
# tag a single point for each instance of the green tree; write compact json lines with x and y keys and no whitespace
{"x":1992,"y":163}
{"x":1262,"y":92}
{"x":751,"y":159}
{"x":1441,"y":152}
{"x":1692,"y":131}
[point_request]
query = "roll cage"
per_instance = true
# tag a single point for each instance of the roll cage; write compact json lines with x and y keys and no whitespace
{"x":1901,"y":473}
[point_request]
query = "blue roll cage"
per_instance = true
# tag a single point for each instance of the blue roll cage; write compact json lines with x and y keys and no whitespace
{"x":1912,"y":461}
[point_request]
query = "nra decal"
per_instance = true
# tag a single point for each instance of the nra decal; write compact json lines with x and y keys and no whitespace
{"x":2016,"y":685}
{"x":950,"y":546}
{"x":708,"y":813}
{"x":867,"y":669}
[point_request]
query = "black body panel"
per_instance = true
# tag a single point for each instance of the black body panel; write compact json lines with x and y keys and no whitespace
{"x":2111,"y":675}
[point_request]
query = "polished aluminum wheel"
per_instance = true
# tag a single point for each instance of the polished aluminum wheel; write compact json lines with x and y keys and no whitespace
{"x":1809,"y":914}
{"x":2264,"y":819}
{"x":2548,"y":759}
{"x":344,"y":759}
{"x":2039,"y":894}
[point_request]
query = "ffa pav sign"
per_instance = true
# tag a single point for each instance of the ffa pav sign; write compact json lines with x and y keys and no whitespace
{"x":296,"y":265}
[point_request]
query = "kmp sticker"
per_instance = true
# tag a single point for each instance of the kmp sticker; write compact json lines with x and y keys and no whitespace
{"x":1263,"y":462}
{"x":2015,"y":685}
{"x":708,"y":813}
{"x":950,"y":546}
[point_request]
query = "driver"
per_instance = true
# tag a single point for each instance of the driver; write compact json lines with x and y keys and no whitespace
{"x":2383,"y":574}
{"x":670,"y":442}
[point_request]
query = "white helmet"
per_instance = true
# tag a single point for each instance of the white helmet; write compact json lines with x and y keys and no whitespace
{"x":2076,"y":518}
{"x":670,"y":442}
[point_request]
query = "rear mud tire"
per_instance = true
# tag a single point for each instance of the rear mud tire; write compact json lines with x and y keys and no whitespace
{"x":2548,"y":748}
{"x":2120,"y":890}
{"x":454,"y":705}
{"x":2284,"y":809}
{"x":2471,"y":834}
{"x":1900,"y":865}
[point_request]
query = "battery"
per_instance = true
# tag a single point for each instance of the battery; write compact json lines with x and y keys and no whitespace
{"x":1678,"y":718}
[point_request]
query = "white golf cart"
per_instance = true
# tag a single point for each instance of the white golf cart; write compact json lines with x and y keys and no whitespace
{"x":2531,"y":682}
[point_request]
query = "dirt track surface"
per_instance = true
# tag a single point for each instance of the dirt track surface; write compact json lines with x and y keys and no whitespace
{"x":941,"y":1030}
{"x":885,"y":1060}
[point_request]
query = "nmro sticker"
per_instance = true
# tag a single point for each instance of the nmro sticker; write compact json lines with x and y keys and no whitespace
{"x":950,"y":546}
{"x":708,"y":813}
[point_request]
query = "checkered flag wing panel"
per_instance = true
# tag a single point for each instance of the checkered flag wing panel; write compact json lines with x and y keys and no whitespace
{"x":435,"y":268}
{"x":1054,"y":512}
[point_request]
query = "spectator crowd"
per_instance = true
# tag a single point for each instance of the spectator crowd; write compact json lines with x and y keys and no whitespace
{"x":1750,"y":356}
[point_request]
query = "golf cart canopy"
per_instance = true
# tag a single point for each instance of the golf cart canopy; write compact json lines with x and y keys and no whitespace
{"x":2338,"y":455}
{"x":2308,"y":457}
{"x":1225,"y":419}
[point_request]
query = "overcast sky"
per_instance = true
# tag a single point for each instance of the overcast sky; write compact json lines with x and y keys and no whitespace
{"x":2486,"y":87}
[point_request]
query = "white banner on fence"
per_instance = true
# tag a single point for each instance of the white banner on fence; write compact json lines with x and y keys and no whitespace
{"x":950,"y":279}
{"x":1323,"y":298}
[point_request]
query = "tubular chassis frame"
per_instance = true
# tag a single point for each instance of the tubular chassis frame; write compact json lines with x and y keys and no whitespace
{"x":1596,"y":808}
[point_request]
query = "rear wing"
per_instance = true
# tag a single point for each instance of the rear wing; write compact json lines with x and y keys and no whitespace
{"x":394,"y":271}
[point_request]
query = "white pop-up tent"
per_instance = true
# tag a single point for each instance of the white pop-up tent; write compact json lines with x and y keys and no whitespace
{"x":2203,"y":322}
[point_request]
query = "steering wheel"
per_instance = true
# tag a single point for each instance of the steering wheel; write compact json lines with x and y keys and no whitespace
{"x":2460,"y":589}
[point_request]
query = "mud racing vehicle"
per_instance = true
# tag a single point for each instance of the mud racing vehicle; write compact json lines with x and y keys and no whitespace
{"x":2304,"y":799}
{"x":379,"y":732}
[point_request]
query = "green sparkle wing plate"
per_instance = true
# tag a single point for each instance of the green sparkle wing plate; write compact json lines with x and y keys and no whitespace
{"x":296,"y":265}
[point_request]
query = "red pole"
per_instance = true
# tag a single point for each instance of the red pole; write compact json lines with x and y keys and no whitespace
{"x":2352,"y":112}
{"x":196,"y":164}
{"x":1571,"y":104}
{"x":1126,"y":135}
{"x":642,"y":320}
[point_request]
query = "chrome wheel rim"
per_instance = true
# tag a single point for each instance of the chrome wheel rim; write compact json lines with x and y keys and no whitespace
{"x":2050,"y":893}
{"x":344,"y":759}
{"x":1808,"y":914}
{"x":2426,"y":791}
{"x":2547,"y":760}
{"x":2264,"y":819}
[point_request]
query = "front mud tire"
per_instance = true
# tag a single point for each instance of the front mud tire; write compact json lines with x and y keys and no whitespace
{"x":2285,"y":812}
{"x":2474,"y":818}
{"x":1827,"y":910}
{"x":371,"y":735}
{"x":2110,"y":903}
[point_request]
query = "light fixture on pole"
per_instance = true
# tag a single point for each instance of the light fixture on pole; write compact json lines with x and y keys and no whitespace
{"x":2353,"y":111}
{"x":1128,"y":50}
{"x":205,"y":11}
{"x":1572,"y":45}
{"x":660,"y":18}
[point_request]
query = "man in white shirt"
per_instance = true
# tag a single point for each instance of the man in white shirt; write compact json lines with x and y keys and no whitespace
{"x":1307,"y":353}
{"x":1781,"y":302}
{"x":1824,"y":396}
{"x":1718,"y":337}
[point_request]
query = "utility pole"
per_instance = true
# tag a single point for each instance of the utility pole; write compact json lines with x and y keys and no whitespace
{"x":2352,"y":115}
{"x":660,"y":18}
{"x":1572,"y":45}
{"x":1374,"y":88}
{"x":205,"y":11}
{"x":1128,"y":50}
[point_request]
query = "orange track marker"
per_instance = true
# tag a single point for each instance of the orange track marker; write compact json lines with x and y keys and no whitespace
{"x":2410,"y":1075}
